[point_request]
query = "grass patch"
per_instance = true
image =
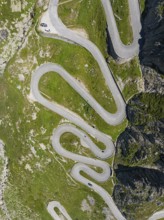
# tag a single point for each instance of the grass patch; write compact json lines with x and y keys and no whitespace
{"x":73,"y":14}
{"x":122,"y":17}
{"x":142,"y":5}
{"x":143,"y":149}
{"x":30,"y":189}
{"x":148,"y":107}
{"x":160,"y":9}
{"x":148,"y":208}
{"x":129,"y":76}
{"x":47,"y":182}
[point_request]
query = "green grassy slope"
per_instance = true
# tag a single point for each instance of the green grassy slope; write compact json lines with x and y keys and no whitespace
{"x":38,"y":175}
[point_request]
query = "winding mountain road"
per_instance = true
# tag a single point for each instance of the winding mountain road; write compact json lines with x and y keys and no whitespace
{"x":122,"y":51}
{"x":125,"y":52}
{"x":157,"y":215}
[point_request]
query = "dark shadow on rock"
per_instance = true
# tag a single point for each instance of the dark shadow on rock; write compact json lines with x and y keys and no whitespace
{"x":128,"y":176}
{"x":110,"y":48}
{"x":152,"y":40}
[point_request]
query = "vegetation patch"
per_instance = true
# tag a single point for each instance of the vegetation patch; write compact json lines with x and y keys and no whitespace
{"x":145,"y":107}
{"x":37,"y":174}
{"x":122,"y":17}
{"x":142,"y":5}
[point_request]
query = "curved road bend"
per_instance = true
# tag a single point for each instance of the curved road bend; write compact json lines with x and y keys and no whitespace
{"x":55,"y":204}
{"x":83,"y":163}
{"x":69,"y":128}
{"x":123,"y":51}
{"x":88,"y":45}
{"x":113,"y":119}
{"x":157,"y":215}
{"x":64,"y":112}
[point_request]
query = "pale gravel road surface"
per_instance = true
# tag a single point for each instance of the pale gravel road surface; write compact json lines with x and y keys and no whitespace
{"x":157,"y":215}
{"x":55,"y":204}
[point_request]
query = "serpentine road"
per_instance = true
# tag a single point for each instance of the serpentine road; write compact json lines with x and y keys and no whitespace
{"x":157,"y":215}
{"x":124,"y":52}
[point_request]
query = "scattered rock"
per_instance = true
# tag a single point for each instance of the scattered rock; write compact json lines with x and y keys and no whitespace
{"x":153,"y":81}
{"x":3,"y":34}
{"x":85,"y":206}
{"x":28,"y":167}
{"x":15,"y":5}
{"x":3,"y":179}
{"x":106,"y":211}
{"x":91,"y":200}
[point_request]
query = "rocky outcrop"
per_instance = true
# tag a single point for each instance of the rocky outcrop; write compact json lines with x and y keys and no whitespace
{"x":152,"y":48}
{"x":139,"y":161}
{"x":141,"y":145}
{"x":137,"y":187}
{"x":144,"y":108}
{"x":153,"y":81}
{"x":3,"y":34}
{"x":14,"y":36}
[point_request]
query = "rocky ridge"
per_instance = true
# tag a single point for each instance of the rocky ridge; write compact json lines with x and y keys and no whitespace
{"x":3,"y":179}
{"x":139,"y":162}
{"x":14,"y":29}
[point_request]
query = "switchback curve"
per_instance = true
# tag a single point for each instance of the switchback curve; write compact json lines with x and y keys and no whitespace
{"x":126,"y":52}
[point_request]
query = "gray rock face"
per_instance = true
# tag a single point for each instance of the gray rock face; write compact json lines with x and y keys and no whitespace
{"x":152,"y":46}
{"x":139,"y":167}
{"x":141,"y":145}
{"x":153,"y":81}
{"x":16,"y":38}
{"x":144,"y":108}
{"x":140,"y":184}
{"x":152,"y":49}
{"x":139,"y":161}
{"x":3,"y":34}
